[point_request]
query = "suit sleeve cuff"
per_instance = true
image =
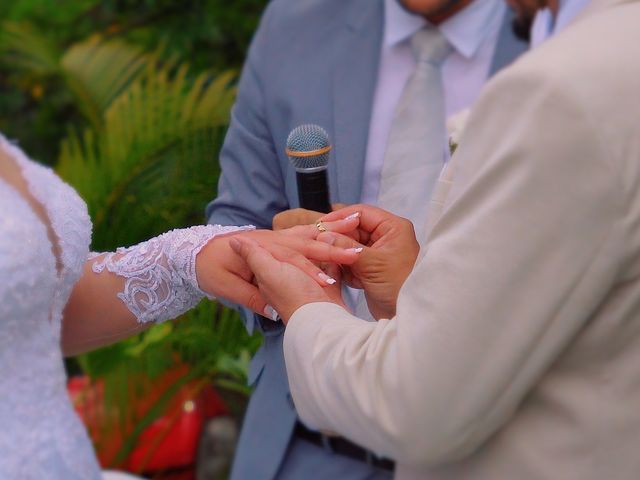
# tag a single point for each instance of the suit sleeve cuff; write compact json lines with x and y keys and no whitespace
{"x":301,"y":344}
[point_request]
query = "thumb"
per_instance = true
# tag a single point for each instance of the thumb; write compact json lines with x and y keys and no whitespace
{"x":260,"y":262}
{"x":256,"y":257}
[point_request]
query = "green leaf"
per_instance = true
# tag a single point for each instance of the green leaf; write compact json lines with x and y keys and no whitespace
{"x":97,"y":72}
{"x":28,"y":49}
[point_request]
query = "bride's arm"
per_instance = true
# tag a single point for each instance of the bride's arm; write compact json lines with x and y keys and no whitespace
{"x":127,"y":291}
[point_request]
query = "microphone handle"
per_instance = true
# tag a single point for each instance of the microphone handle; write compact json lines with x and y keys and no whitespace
{"x":313,"y":191}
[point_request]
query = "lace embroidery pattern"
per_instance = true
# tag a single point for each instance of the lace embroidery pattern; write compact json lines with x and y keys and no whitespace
{"x":161,"y":273}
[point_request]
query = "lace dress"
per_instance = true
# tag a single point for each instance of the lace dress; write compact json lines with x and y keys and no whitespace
{"x":40,"y":435}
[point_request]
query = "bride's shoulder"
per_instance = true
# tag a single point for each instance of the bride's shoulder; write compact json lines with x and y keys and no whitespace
{"x":67,"y":211}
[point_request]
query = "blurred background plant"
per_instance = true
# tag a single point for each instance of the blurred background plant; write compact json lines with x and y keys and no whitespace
{"x":129,"y":101}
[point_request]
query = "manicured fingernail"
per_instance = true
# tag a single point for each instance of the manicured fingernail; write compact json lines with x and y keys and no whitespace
{"x":357,"y":250}
{"x":271,"y":313}
{"x":326,"y":278}
{"x":352,"y":216}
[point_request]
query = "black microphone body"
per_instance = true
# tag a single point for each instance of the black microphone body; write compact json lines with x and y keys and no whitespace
{"x":313,"y":191}
{"x":308,"y":149}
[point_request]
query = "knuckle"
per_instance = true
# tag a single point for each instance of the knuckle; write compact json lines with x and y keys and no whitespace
{"x":407,"y":225}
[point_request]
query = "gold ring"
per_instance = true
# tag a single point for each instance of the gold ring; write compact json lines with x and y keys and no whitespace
{"x":320,"y":226}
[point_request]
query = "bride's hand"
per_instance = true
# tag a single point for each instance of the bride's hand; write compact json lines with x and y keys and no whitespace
{"x":283,"y":285}
{"x":223,"y":273}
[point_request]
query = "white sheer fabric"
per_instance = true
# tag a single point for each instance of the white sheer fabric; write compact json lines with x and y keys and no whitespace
{"x":161,"y":272}
{"x":40,"y":436}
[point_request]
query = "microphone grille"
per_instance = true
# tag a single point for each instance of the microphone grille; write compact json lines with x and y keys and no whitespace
{"x":308,"y":148}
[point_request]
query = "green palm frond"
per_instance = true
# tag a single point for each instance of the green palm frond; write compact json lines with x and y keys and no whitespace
{"x":29,"y":50}
{"x":162,"y":126}
{"x":97,"y":72}
{"x":94,"y":71}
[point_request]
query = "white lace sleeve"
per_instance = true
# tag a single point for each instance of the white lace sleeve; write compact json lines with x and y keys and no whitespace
{"x":161,"y":273}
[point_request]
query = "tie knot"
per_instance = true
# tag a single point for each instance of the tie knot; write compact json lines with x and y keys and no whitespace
{"x":430,"y":46}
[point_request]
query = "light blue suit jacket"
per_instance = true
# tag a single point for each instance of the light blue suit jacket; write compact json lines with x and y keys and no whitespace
{"x":311,"y":61}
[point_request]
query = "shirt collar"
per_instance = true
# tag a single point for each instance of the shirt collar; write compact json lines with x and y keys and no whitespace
{"x":465,"y":31}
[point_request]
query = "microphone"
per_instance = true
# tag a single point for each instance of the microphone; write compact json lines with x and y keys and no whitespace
{"x":308,"y":149}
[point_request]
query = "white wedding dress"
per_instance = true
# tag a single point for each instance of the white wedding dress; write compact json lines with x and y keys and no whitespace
{"x":40,"y":435}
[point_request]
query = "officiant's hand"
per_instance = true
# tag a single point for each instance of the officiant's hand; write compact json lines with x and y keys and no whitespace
{"x":389,"y":253}
{"x":221,"y":272}
{"x":299,"y":216}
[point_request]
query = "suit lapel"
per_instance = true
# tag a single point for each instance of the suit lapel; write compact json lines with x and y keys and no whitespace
{"x":509,"y":47}
{"x":354,"y":82}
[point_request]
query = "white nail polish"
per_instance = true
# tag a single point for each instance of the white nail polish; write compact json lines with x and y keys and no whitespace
{"x":271,"y":313}
{"x":352,"y":216}
{"x":357,"y":250}
{"x":326,"y":278}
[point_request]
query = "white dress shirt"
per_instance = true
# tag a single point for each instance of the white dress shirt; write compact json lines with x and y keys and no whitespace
{"x":473,"y":33}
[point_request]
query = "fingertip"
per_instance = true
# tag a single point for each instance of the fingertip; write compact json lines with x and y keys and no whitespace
{"x":326,"y":278}
{"x":271,"y":313}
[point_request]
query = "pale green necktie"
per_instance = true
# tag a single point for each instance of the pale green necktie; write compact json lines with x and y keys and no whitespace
{"x":417,"y":142}
{"x":416,"y":146}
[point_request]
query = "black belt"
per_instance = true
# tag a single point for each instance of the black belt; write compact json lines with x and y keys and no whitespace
{"x":342,"y":446}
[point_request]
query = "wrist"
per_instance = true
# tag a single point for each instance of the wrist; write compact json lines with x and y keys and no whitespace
{"x":204,"y":265}
{"x":210,"y":256}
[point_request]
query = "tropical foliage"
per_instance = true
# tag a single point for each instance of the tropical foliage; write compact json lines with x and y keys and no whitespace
{"x":136,"y":131}
{"x":211,"y":35}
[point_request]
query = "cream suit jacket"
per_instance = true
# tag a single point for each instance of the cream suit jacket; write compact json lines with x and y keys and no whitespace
{"x":515,"y":352}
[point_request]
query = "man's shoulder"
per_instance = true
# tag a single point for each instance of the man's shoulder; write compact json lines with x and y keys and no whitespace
{"x":595,"y":52}
{"x":296,"y":33}
{"x":296,"y":15}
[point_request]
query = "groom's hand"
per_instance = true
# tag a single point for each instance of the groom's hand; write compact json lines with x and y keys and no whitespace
{"x":299,"y":216}
{"x":389,"y":253}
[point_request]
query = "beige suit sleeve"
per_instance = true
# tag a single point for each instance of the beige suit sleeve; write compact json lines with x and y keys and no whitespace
{"x":519,"y":260}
